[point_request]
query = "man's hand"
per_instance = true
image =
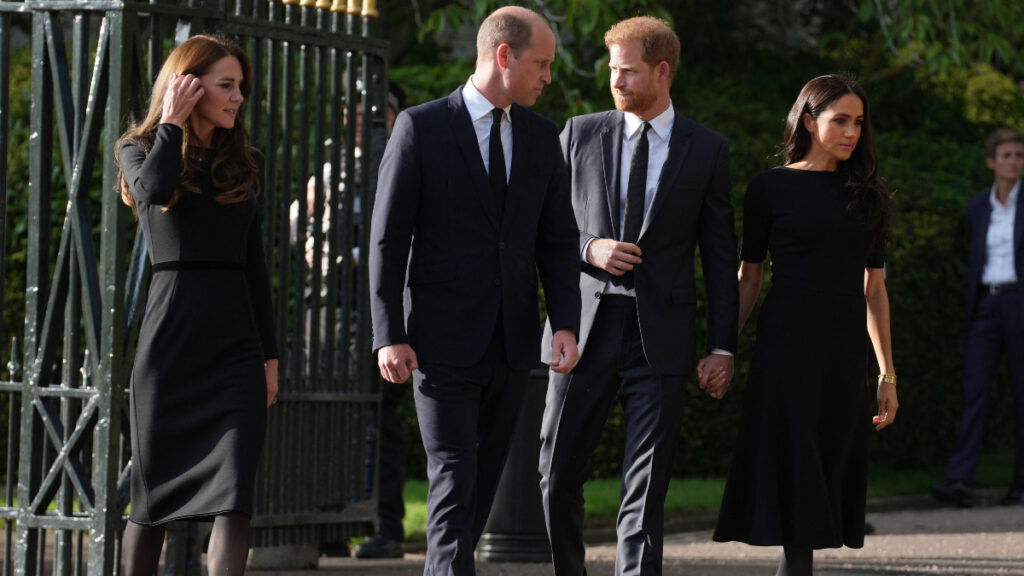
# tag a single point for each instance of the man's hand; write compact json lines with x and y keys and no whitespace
{"x":613,"y":256}
{"x":396,"y":362}
{"x":714,"y":373}
{"x":564,"y":353}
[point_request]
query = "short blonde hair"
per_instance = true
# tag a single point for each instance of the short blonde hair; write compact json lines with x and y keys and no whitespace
{"x":658,"y":40}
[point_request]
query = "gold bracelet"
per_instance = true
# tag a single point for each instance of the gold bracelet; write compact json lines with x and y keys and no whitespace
{"x":887,"y":379}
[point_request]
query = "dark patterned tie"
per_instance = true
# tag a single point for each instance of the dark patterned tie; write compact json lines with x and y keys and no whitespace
{"x":499,"y":184}
{"x":635,"y":192}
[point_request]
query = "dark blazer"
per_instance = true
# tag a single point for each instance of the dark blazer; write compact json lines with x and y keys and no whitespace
{"x":979,"y":214}
{"x":442,"y":266}
{"x":692,"y":206}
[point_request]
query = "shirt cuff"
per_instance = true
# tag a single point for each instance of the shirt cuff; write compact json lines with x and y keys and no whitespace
{"x":583,"y":253}
{"x":722,"y":352}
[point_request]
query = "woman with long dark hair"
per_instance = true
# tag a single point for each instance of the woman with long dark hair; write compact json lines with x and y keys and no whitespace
{"x":206,"y":364}
{"x":799,"y":475}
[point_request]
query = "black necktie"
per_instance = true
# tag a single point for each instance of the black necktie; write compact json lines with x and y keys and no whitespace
{"x":636,"y":189}
{"x":497,"y":162}
{"x":635,"y":192}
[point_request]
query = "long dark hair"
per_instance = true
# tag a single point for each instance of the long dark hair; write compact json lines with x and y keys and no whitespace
{"x":868,"y":194}
{"x":235,"y":168}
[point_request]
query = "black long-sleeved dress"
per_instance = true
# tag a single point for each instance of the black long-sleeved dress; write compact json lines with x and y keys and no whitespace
{"x":198,"y":388}
{"x":799,"y":474}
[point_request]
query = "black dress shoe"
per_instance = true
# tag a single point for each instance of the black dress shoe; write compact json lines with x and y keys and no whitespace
{"x":954,"y":492}
{"x":379,"y":547}
{"x":1015,"y":497}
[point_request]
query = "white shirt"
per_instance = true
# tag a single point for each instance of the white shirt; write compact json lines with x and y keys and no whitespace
{"x":999,"y":261}
{"x":479,"y":108}
{"x":657,"y":139}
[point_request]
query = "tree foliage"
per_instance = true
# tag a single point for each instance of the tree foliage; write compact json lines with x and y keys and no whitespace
{"x":954,"y":34}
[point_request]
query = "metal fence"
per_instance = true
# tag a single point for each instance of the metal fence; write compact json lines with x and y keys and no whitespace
{"x":73,"y":75}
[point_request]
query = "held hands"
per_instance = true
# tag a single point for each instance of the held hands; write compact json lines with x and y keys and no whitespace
{"x":714,"y":374}
{"x":180,"y":98}
{"x":270,"y":371}
{"x":887,"y":405}
{"x":613,"y":256}
{"x":564,"y":353}
{"x":396,"y":362}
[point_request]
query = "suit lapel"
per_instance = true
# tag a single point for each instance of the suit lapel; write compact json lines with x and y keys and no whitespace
{"x":611,"y":145}
{"x":465,"y":136}
{"x":982,"y":217}
{"x":678,"y":147}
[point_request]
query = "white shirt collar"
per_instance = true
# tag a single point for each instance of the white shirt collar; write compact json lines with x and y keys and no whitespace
{"x":661,"y":124}
{"x":477,"y":104}
{"x":1010,"y":202}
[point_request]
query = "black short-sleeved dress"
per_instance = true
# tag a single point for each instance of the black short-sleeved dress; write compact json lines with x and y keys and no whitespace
{"x":198,"y":389}
{"x":799,"y":474}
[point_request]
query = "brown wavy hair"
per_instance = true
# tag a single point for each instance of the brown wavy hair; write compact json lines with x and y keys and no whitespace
{"x":869,"y":196}
{"x":235,"y":166}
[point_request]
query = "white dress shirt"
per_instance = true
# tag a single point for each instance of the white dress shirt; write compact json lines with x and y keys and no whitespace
{"x":999,"y":261}
{"x":657,"y":138}
{"x":479,"y":108}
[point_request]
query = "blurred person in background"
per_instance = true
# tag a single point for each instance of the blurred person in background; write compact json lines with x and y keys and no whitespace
{"x":995,"y":325}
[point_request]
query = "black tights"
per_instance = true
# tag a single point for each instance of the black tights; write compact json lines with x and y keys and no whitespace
{"x":142,"y":546}
{"x":227,"y":554}
{"x":229,"y":545}
{"x":796,"y":561}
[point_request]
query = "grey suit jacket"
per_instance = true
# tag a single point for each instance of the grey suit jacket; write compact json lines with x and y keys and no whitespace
{"x":691,"y":207}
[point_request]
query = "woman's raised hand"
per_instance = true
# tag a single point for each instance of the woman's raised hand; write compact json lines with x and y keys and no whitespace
{"x":180,"y":98}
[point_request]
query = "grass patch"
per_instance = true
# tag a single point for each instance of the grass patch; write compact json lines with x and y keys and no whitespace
{"x":685,"y":495}
{"x":994,"y":469}
{"x":697,"y":495}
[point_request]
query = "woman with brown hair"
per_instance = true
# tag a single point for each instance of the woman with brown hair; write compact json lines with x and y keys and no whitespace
{"x":206,"y":364}
{"x":799,"y":474}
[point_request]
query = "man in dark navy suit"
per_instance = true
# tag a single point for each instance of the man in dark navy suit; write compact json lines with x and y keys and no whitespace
{"x":995,"y":316}
{"x":648,"y":187}
{"x":471,"y":203}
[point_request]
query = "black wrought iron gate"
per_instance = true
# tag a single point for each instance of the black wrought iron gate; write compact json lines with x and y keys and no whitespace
{"x":74,"y":262}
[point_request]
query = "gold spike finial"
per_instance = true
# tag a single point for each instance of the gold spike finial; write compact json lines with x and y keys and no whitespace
{"x":370,"y":9}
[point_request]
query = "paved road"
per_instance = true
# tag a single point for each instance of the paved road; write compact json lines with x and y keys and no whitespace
{"x":978,"y":542}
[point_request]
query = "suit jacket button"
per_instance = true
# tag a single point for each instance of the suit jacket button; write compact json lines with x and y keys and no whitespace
{"x":497,"y":281}
{"x":501,"y":245}
{"x":597,"y":295}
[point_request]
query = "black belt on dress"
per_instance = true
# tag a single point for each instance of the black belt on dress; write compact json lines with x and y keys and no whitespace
{"x":196,"y":265}
{"x":995,"y":289}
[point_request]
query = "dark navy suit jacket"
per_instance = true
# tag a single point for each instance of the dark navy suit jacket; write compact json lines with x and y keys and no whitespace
{"x":979,"y":214}
{"x":442,"y":265}
{"x":692,"y":206}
